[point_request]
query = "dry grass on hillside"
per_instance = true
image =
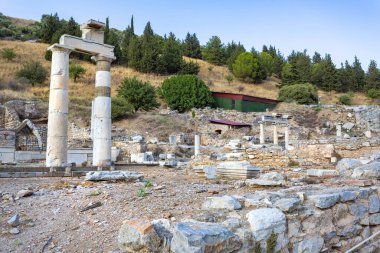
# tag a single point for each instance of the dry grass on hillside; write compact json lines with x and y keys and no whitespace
{"x":21,"y":22}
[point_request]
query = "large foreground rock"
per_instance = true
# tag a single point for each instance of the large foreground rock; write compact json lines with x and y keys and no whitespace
{"x":347,"y":165}
{"x":129,"y":176}
{"x":367,"y":171}
{"x":225,"y":202}
{"x":138,"y":236}
{"x":200,"y":237}
{"x":264,"y":221}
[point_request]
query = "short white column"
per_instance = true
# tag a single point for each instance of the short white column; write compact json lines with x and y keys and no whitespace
{"x":275,"y":135}
{"x":339,"y":130}
{"x":102,"y":124}
{"x":56,"y":146}
{"x":262,"y":137}
{"x":197,"y":144}
{"x":286,"y":137}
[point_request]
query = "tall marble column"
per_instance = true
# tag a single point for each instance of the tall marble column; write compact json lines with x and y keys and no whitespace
{"x":102,"y":113}
{"x":57,"y":134}
{"x":275,"y":135}
{"x":286,"y":137}
{"x":262,"y":137}
{"x":197,"y":144}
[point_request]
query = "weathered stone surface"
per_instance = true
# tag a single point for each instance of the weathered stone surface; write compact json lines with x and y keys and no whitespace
{"x":272,"y":176}
{"x":164,"y":231}
{"x":288,"y":204}
{"x":24,"y":193}
{"x":321,"y":173}
{"x":358,"y":210}
{"x":324,"y":200}
{"x":347,"y":165}
{"x":348,"y":126}
{"x":224,"y":202}
{"x":138,"y":236}
{"x":14,"y":221}
{"x":348,"y":196}
{"x":374,"y":204}
{"x":199,"y":237}
{"x":367,"y":171}
{"x":349,"y":231}
{"x":312,"y":245}
{"x":14,"y":231}
{"x":374,"y":219}
{"x":261,"y":182}
{"x":129,"y":176}
{"x":265,"y":220}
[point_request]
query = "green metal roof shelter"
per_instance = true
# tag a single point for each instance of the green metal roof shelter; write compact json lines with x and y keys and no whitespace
{"x":243,"y":103}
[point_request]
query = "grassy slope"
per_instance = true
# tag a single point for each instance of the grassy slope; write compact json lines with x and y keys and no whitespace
{"x":82,"y":92}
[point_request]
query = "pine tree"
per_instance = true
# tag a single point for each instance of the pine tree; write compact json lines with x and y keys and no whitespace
{"x":192,"y":47}
{"x":372,"y":78}
{"x":358,"y":76}
{"x":317,"y":58}
{"x":134,"y":53}
{"x":171,"y":59}
{"x":301,"y":66}
{"x":329,"y":74}
{"x":214,"y":51}
{"x":50,"y":24}
{"x":233,"y":51}
{"x":128,"y":34}
{"x":150,"y":50}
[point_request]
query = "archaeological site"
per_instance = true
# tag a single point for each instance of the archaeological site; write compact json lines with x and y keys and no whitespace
{"x":243,"y":172}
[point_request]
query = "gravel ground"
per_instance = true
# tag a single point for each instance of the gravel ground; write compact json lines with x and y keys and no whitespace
{"x":54,"y":210}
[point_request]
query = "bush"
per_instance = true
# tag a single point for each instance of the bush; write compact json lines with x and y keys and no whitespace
{"x":184,"y":92}
{"x":76,"y":71}
{"x":8,"y":54}
{"x":33,"y":71}
{"x":120,"y":108}
{"x":345,"y":100}
{"x":189,"y":68}
{"x":48,"y":55}
{"x":141,"y":95}
{"x":300,"y":93}
{"x":373,"y":93}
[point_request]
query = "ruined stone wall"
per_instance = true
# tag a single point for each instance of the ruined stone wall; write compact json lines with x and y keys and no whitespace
{"x":27,"y":141}
{"x":7,"y":139}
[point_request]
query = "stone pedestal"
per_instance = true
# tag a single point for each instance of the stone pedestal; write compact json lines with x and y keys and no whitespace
{"x":56,"y":147}
{"x":339,"y":130}
{"x":197,"y":144}
{"x":275,"y":135}
{"x":262,"y":137}
{"x":102,"y":142}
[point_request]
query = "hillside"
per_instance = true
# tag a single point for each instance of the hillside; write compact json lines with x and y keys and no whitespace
{"x":81,"y":92}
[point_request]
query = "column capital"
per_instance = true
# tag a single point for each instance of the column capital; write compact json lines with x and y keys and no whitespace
{"x":58,"y":47}
{"x":108,"y":58}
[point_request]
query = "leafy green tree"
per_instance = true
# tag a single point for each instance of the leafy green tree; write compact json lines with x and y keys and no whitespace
{"x":120,"y":108}
{"x":76,"y":71}
{"x":299,"y":93}
{"x":246,"y":67}
{"x":287,"y":76}
{"x":191,"y":46}
{"x":233,"y":50}
{"x":150,"y":51}
{"x":373,"y":93}
{"x":184,"y":92}
{"x":268,"y":63}
{"x":171,"y":58}
{"x":189,"y":68}
{"x":49,"y":25}
{"x":345,"y":99}
{"x":8,"y":54}
{"x":33,"y":71}
{"x":141,"y":95}
{"x":214,"y":51}
{"x":372,"y":78}
{"x":229,"y":78}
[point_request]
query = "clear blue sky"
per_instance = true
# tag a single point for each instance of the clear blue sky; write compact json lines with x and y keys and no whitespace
{"x":343,"y":28}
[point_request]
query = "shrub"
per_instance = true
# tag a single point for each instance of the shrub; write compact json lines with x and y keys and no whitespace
{"x":33,"y":71}
{"x":8,"y":54}
{"x":141,"y":95}
{"x":229,"y":78}
{"x":48,"y":55}
{"x":184,"y":92}
{"x":76,"y":71}
{"x":300,"y":93}
{"x":120,"y":108}
{"x":345,"y":100}
{"x":189,"y":68}
{"x":373,"y":93}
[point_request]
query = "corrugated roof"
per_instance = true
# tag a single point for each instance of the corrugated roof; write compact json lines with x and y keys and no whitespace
{"x":229,"y":122}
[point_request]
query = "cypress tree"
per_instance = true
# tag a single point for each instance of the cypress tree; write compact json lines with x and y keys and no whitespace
{"x":192,"y":47}
{"x":171,"y":59}
{"x":127,"y":37}
{"x":372,"y":78}
{"x":150,"y":50}
{"x":358,"y":76}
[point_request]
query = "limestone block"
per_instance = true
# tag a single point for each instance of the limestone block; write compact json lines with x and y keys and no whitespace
{"x":324,"y":201}
{"x":89,"y":46}
{"x":321,"y":173}
{"x":224,"y":202}
{"x":374,"y":204}
{"x":130,"y":176}
{"x":265,"y":220}
{"x":367,"y":171}
{"x":312,"y":245}
{"x":287,"y":204}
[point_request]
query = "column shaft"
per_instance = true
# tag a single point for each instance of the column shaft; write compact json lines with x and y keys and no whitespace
{"x":56,"y":147}
{"x":275,"y":135}
{"x":262,"y":137}
{"x":102,"y":125}
{"x":197,"y":144}
{"x":286,"y":137}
